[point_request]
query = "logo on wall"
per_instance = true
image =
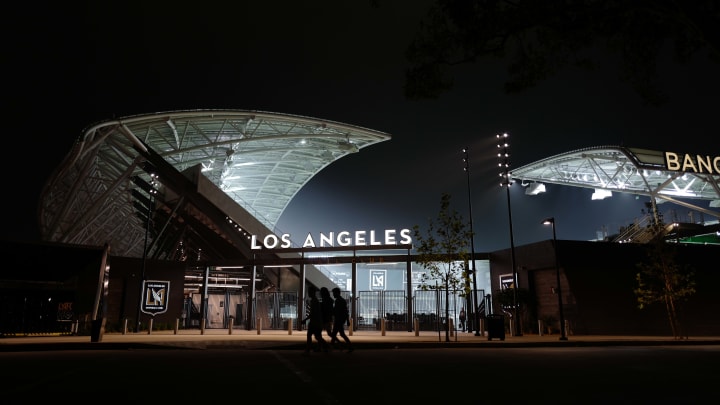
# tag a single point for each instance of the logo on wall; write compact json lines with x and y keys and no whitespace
{"x":377,"y":279}
{"x":155,"y":296}
{"x":507,"y":281}
{"x":65,"y":311}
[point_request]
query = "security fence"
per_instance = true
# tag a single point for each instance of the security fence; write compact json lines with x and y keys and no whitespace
{"x":372,"y":308}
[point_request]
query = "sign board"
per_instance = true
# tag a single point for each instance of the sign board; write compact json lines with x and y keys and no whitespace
{"x":155,"y":297}
{"x":506,"y":281}
{"x":378,"y":279}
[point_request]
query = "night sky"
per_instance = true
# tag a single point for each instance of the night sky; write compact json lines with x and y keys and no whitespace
{"x":67,"y":67}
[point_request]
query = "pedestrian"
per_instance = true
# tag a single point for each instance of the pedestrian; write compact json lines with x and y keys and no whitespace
{"x":462,"y":318}
{"x":327,"y":303}
{"x":315,"y":324}
{"x":341,"y":316}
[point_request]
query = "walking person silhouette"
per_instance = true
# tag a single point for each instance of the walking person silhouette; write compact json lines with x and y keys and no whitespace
{"x":341,"y":316}
{"x":315,"y":326}
{"x":327,"y":303}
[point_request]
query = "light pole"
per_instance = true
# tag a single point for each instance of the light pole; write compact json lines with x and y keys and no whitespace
{"x":152,"y":191}
{"x":504,"y":164}
{"x":558,"y":290}
{"x":476,"y":321}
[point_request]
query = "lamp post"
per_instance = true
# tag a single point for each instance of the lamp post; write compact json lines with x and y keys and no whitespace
{"x":558,"y":290}
{"x":152,"y":191}
{"x":504,"y":164}
{"x":476,"y":320}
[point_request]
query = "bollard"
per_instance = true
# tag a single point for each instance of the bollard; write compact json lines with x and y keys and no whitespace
{"x":417,"y":327}
{"x":540,"y":327}
{"x":177,"y":325}
{"x":482,"y":327}
{"x":125,"y":326}
{"x":382,"y":326}
{"x":290,"y":326}
{"x":98,"y":328}
{"x":350,"y":328}
{"x":452,"y":327}
{"x":150,"y":325}
{"x":258,"y":322}
{"x":512,"y":328}
{"x":230,"y":326}
{"x":567,"y":328}
{"x":202,"y":326}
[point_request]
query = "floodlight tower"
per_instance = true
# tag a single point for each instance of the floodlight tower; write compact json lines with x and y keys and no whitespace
{"x":151,"y":189}
{"x":504,"y":165}
{"x":476,"y":320}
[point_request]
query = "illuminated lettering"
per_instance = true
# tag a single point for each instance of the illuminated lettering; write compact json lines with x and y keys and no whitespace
{"x":389,"y":236}
{"x":270,"y":241}
{"x":688,"y":162}
{"x":360,"y":238}
{"x":671,"y":161}
{"x":326,"y":240}
{"x":253,"y":242}
{"x":343,"y":238}
{"x":697,"y":164}
{"x":406,"y":238}
{"x":374,"y":242}
{"x":309,"y":242}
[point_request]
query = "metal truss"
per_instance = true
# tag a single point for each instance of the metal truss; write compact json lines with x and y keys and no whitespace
{"x":99,"y":194}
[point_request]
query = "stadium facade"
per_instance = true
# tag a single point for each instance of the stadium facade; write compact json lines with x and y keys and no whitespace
{"x":178,"y":211}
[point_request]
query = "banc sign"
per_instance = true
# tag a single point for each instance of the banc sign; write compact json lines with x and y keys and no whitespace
{"x":692,"y":163}
{"x":339,"y":239}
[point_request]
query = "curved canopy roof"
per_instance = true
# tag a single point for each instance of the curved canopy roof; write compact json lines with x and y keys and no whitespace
{"x":626,"y":170}
{"x":259,"y":159}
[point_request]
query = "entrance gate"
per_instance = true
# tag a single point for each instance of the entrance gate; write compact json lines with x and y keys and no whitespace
{"x":276,"y":308}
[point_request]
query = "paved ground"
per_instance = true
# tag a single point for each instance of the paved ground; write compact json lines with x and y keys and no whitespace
{"x":296,"y":339}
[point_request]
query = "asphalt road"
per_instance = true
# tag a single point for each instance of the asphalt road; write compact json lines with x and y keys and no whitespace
{"x":566,"y":375}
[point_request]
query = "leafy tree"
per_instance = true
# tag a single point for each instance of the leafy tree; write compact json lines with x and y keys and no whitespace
{"x":442,"y":249}
{"x":542,"y":37}
{"x":662,"y":279}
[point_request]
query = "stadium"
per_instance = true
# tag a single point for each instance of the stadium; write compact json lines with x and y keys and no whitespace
{"x":161,"y":215}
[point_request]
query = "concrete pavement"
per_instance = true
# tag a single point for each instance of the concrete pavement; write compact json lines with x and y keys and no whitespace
{"x":282,"y":339}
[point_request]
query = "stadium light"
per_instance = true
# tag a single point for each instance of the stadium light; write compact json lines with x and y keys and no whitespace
{"x":504,"y":164}
{"x":476,"y":309}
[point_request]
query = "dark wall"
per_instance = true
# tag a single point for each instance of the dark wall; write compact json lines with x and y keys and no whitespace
{"x":124,"y":291}
{"x":44,"y":287}
{"x":598,"y":282}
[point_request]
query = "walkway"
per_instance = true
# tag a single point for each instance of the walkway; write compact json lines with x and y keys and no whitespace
{"x":266,"y":339}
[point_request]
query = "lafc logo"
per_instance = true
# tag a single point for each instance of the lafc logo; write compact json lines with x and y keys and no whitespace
{"x":155,"y":296}
{"x":377,"y":279}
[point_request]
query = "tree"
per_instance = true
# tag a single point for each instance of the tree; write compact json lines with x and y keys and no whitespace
{"x":662,"y":279}
{"x":542,"y":37}
{"x":442,"y":249}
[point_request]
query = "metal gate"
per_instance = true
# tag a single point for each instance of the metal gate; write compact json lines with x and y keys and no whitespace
{"x":374,"y":307}
{"x":275,"y":309}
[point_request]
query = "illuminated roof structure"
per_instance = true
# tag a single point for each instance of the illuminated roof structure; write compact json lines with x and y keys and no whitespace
{"x":608,"y":169}
{"x":260,"y":160}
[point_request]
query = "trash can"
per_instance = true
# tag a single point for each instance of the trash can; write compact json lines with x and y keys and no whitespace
{"x":495,"y":326}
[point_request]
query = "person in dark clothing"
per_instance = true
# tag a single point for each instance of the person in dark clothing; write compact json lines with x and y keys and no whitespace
{"x":315,"y":324}
{"x":327,"y":303}
{"x":341,"y":316}
{"x":462,"y":319}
